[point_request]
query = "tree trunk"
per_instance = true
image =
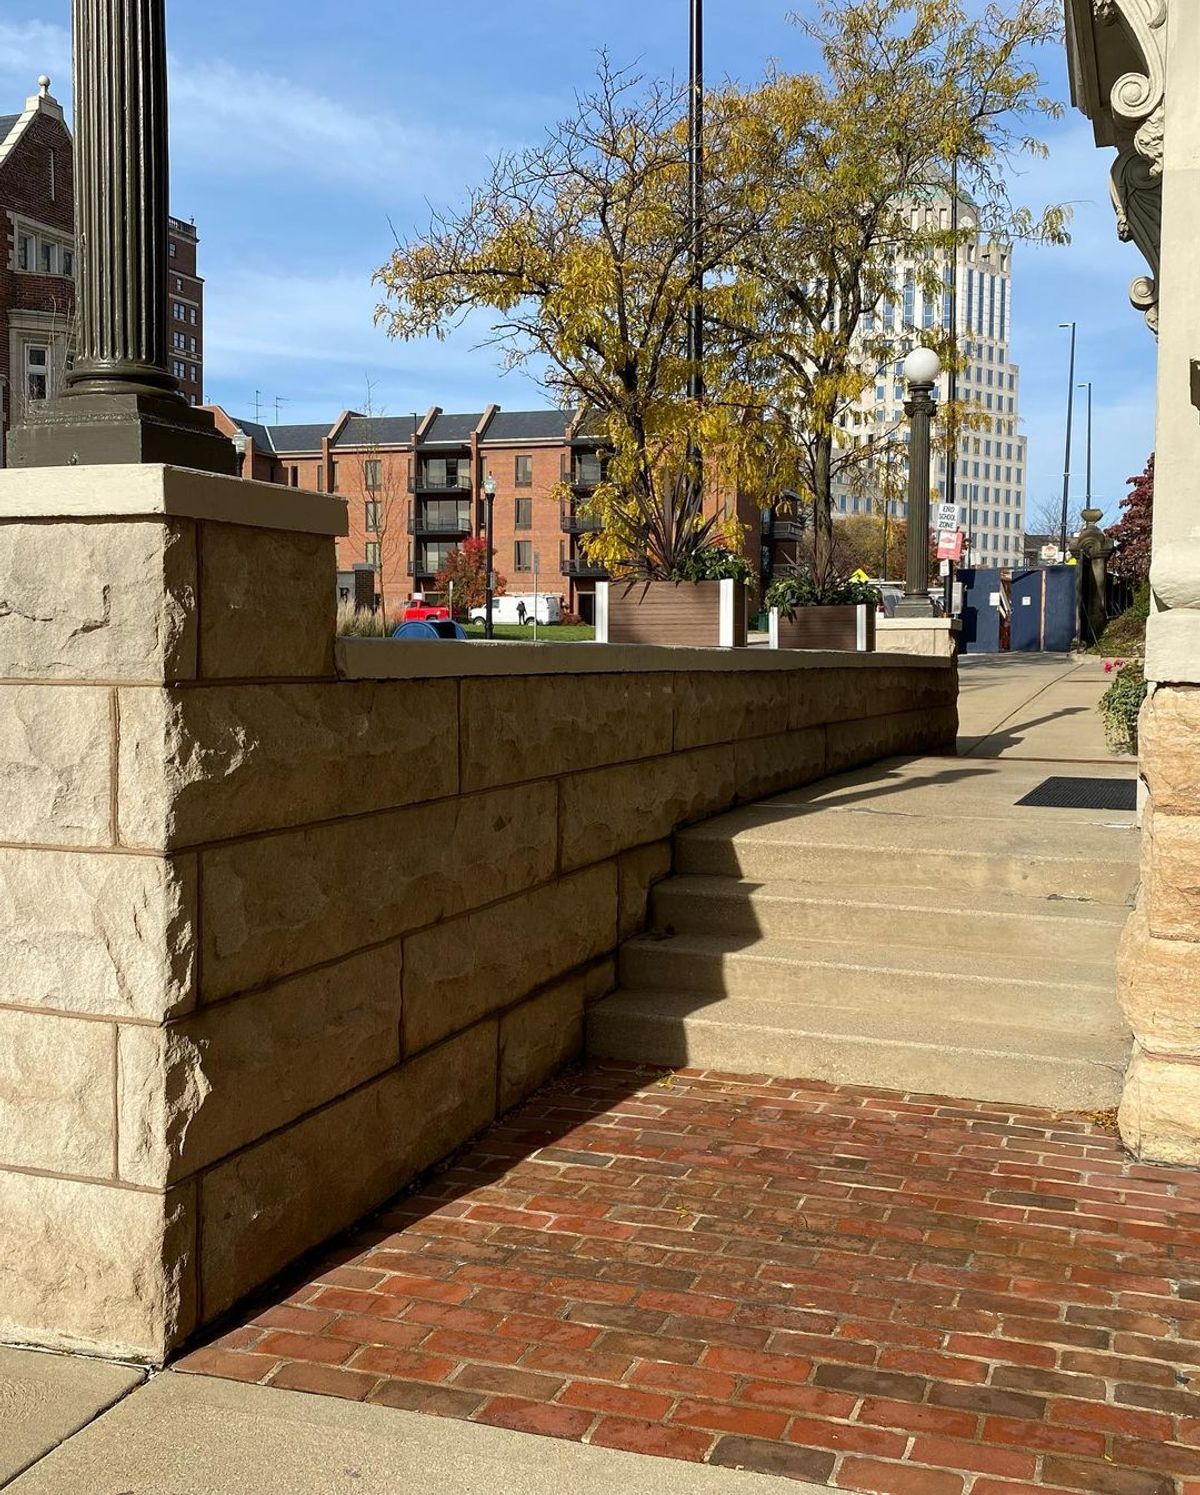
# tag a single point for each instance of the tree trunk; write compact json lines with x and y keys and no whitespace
{"x":822,"y":509}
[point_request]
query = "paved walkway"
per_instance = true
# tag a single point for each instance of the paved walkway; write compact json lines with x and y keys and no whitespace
{"x":878,"y":1292}
{"x":1040,"y":706}
{"x":696,"y":1282}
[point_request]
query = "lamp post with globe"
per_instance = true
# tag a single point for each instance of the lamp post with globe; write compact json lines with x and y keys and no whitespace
{"x":921,"y":370}
{"x":489,"y":494}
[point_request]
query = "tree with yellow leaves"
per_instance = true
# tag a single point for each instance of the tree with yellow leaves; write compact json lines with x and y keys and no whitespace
{"x":847,"y":161}
{"x":580,"y":249}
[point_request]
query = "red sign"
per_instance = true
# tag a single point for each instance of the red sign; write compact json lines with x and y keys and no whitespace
{"x":950,"y":544}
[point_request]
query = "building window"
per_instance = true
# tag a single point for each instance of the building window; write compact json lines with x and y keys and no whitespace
{"x":25,"y":252}
{"x":173,"y":249}
{"x":524,"y":515}
{"x":523,"y":555}
{"x":180,"y":311}
{"x":371,"y":515}
{"x":524,"y":477}
{"x":179,"y":369}
{"x":371,"y":553}
{"x":192,"y":315}
{"x":333,"y":479}
{"x":49,"y":260}
{"x":68,"y":262}
{"x":179,"y":339}
{"x":371,"y":469}
{"x":37,"y":372}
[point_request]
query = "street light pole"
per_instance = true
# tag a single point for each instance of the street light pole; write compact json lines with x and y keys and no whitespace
{"x":952,"y":445}
{"x":1088,"y":387}
{"x":489,"y":493}
{"x":695,"y":322}
{"x":921,"y":369}
{"x":122,"y":403}
{"x":1066,"y":498}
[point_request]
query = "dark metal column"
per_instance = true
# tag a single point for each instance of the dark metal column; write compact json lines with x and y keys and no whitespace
{"x":121,"y":404}
{"x":920,"y":407}
{"x":695,"y":350}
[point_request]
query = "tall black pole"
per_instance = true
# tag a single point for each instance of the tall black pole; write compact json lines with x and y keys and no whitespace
{"x":695,"y":330}
{"x":122,"y":402}
{"x":1066,"y":498}
{"x":1088,"y":387}
{"x":952,"y":445}
{"x":489,"y":493}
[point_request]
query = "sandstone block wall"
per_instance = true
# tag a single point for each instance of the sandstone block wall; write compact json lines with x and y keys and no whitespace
{"x":1158,"y":966}
{"x":275,"y":939}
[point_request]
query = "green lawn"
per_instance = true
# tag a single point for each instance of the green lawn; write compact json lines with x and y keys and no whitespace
{"x":548,"y":633}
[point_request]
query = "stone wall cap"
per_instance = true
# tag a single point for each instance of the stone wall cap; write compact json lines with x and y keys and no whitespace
{"x":158,"y":492}
{"x":395,"y":659}
{"x":933,"y":625}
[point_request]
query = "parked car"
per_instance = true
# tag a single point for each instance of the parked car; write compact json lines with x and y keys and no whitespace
{"x":420,"y":612}
{"x":507,"y":609}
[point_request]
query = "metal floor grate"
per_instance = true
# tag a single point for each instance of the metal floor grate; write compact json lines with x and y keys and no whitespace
{"x":1083,"y":794}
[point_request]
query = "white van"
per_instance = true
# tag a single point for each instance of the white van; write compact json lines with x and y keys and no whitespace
{"x":507,"y":609}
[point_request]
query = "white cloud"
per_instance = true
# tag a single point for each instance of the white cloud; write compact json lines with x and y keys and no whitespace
{"x":237,"y":122}
{"x":28,"y":48}
{"x":311,"y":339}
{"x":230,"y":121}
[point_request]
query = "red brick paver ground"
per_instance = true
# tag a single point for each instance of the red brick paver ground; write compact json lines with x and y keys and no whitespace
{"x":888,"y":1293}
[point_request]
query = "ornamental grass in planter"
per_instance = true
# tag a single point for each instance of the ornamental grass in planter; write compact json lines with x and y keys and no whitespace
{"x":837,"y":614}
{"x":702,"y":604}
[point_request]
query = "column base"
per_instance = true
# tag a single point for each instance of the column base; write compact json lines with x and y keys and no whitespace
{"x":78,"y":430}
{"x":1160,"y":1108}
{"x":915,"y":607}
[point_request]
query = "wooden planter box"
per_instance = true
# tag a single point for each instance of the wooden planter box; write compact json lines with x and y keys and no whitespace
{"x":702,"y":614}
{"x":850,"y":627}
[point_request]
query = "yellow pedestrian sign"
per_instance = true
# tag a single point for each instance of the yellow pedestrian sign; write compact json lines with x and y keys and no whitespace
{"x":859,"y":575}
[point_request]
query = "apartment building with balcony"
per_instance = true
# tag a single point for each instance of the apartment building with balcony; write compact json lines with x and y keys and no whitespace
{"x":415,"y":487}
{"x":37,"y":266}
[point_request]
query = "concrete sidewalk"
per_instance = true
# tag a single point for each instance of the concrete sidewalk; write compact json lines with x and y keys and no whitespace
{"x":188,"y":1435}
{"x":1041,"y":706}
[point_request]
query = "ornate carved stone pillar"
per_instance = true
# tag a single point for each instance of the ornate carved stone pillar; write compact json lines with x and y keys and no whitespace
{"x":1134,"y":66}
{"x":121,"y":404}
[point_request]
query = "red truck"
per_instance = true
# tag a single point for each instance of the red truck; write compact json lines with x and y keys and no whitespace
{"x":418,"y":611}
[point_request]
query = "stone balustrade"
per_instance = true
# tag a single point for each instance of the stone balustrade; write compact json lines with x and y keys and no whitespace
{"x":285,"y":923}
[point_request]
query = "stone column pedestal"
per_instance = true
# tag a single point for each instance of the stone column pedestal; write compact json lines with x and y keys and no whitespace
{"x":1159,"y":962}
{"x":123,"y":590}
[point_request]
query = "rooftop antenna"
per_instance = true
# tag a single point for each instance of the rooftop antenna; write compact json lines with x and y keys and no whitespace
{"x":279,"y":401}
{"x":257,"y":406}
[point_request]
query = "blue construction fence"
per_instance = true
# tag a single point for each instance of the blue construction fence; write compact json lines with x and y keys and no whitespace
{"x":1019,"y":611}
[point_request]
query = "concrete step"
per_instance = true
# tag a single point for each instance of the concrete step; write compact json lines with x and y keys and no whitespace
{"x":879,"y":917}
{"x":762,"y":843}
{"x":1053,"y":992}
{"x":867,"y":1042}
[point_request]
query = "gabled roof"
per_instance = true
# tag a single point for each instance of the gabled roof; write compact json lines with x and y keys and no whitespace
{"x":283,"y":438}
{"x":529,"y":425}
{"x":7,"y":121}
{"x":380,"y":430}
{"x":452,"y":430}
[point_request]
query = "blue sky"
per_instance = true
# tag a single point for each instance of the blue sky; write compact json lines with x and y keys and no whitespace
{"x":303,"y":130}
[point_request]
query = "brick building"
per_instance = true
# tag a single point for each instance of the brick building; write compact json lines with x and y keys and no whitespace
{"x":415,"y":489}
{"x":37,"y":265}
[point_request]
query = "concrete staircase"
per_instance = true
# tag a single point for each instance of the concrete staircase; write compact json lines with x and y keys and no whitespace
{"x":916,"y":931}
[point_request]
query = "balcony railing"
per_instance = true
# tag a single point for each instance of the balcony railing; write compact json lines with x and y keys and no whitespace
{"x":429,"y":524}
{"x":581,"y":569}
{"x":582,"y":477}
{"x":574,"y":523}
{"x":788,"y":529}
{"x":424,"y":482}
